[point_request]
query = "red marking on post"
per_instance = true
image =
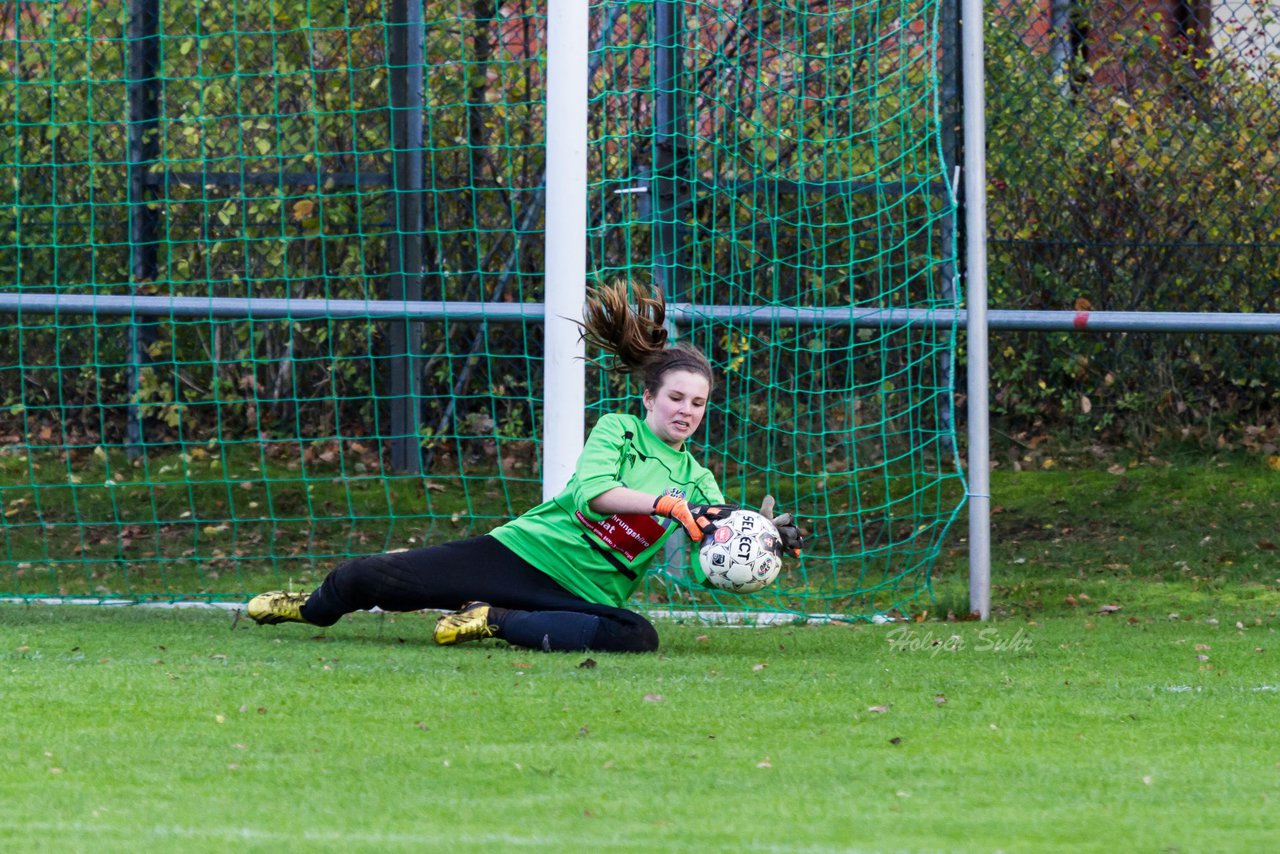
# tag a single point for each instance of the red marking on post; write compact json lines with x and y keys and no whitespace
{"x":1081,"y":320}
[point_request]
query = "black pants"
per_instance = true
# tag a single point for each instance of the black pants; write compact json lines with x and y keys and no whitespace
{"x":542,"y":613}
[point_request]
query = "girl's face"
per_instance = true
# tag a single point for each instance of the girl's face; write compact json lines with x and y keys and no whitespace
{"x":677,"y":409}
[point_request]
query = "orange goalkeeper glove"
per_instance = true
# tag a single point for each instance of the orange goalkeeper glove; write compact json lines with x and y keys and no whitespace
{"x":698,"y":519}
{"x":788,"y":532}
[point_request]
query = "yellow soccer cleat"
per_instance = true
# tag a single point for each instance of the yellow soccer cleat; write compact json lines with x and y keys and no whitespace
{"x":470,"y":623}
{"x":278,"y":606}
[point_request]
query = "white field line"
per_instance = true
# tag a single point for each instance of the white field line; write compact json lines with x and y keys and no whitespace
{"x":360,"y":840}
{"x":749,"y":619}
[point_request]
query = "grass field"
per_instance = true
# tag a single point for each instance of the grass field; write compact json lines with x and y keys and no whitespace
{"x":160,"y":730}
{"x":1124,"y":696}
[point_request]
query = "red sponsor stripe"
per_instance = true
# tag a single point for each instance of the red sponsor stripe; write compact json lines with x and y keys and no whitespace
{"x":629,"y":535}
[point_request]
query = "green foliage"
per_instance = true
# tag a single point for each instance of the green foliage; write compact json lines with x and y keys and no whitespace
{"x":279,"y":92}
{"x":272,"y":158}
{"x":1142,"y":179}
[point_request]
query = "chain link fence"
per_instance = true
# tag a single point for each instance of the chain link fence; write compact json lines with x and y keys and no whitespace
{"x":1132,"y":156}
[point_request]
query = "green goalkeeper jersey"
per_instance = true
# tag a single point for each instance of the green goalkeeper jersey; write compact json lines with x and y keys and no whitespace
{"x":603,"y":558}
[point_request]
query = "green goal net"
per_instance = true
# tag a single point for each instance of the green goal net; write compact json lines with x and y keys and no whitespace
{"x":208,"y":208}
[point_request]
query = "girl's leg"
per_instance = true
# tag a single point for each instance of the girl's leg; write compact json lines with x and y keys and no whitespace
{"x":612,"y":630}
{"x":529,"y":608}
{"x":440,"y":576}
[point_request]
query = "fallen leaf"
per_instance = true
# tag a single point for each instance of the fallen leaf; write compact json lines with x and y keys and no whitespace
{"x":940,"y":699}
{"x":896,"y":740}
{"x":1108,"y":609}
{"x":587,"y":663}
{"x":702,"y":638}
{"x":1072,"y":601}
{"x":764,"y":763}
{"x":523,"y":665}
{"x":760,"y":666}
{"x":879,"y":710}
{"x":653,"y":698}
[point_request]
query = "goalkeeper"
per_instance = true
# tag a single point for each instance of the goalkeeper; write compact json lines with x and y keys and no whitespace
{"x":556,"y":577}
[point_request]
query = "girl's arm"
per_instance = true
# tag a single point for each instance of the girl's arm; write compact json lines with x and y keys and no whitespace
{"x":698,"y":519}
{"x":623,"y":500}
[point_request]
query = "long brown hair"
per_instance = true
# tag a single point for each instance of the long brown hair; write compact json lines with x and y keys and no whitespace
{"x":636,"y":337}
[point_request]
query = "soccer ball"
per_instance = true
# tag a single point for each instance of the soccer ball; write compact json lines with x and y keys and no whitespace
{"x":743,"y":555}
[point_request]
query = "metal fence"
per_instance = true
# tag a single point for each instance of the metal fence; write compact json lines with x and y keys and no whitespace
{"x":1132,"y":153}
